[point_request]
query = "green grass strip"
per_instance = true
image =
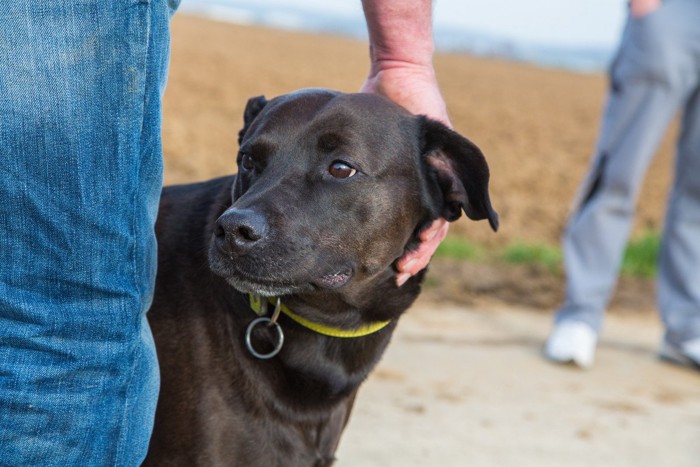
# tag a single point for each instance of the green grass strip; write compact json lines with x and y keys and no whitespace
{"x":640,"y":255}
{"x":459,"y":248}
{"x":540,"y":254}
{"x":639,"y":258}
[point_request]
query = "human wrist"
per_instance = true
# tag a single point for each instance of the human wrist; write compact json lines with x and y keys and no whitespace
{"x":423,"y":69}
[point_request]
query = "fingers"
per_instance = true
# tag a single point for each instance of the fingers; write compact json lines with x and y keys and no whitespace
{"x":415,"y":261}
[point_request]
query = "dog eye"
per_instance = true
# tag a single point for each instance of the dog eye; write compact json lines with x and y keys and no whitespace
{"x":340,"y":169}
{"x":247,"y":162}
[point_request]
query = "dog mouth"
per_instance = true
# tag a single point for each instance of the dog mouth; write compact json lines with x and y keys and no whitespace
{"x":277,"y":283}
{"x":270,"y":288}
{"x":263,"y":288}
{"x":334,"y":280}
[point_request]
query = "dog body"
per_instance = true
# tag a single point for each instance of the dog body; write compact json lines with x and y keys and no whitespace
{"x":331,"y":190}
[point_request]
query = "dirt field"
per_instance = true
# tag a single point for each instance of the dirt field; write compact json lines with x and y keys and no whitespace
{"x":537,"y":127}
{"x":463,"y":382}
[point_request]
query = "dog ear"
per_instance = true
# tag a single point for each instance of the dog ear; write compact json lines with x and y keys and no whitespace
{"x":458,"y":173}
{"x":252,"y":109}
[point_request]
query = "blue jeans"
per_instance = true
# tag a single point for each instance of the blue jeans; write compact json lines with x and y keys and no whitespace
{"x":80,"y":175}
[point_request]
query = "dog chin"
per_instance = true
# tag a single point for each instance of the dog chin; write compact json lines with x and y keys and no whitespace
{"x":264,"y":290}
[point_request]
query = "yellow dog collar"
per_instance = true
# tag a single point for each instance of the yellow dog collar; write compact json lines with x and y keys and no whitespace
{"x":256,"y":303}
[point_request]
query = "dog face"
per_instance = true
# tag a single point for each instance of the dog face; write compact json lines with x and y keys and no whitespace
{"x":332,"y":188}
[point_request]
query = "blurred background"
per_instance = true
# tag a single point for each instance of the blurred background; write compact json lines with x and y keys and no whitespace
{"x":524,"y":80}
{"x":574,"y":34}
{"x":463,"y":382}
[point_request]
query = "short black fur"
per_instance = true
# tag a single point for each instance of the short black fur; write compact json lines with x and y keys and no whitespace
{"x":284,"y":226}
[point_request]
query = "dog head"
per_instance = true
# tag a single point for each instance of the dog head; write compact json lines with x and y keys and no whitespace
{"x":333,"y":188}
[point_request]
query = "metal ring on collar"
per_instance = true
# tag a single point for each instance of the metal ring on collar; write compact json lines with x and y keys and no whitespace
{"x":249,"y":332}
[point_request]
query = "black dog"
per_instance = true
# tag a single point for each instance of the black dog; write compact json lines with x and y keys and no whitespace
{"x":331,"y":190}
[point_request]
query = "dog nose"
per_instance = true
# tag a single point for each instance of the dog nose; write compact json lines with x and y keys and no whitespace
{"x":239,"y":230}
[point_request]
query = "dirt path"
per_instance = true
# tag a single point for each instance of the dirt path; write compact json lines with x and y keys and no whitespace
{"x":468,"y":387}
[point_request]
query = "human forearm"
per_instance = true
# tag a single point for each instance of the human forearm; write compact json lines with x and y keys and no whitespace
{"x":401,"y":53}
{"x":400,"y":31}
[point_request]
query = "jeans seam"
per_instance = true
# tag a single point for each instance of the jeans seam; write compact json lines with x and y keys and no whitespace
{"x":124,"y":427}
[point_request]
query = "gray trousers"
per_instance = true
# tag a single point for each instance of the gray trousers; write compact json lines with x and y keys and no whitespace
{"x":656,"y":73}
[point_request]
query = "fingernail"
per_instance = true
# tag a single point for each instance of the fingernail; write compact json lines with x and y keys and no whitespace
{"x":402,"y":278}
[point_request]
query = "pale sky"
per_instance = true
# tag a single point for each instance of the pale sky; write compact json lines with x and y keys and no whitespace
{"x":561,"y":22}
{"x":594,"y":23}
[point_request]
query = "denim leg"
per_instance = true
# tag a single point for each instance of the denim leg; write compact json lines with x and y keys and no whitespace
{"x":80,"y":176}
{"x":679,"y":268}
{"x":648,"y":85}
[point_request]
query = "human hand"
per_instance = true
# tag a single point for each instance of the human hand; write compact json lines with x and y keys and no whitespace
{"x":415,"y":88}
{"x":412,"y":86}
{"x":412,"y":262}
{"x":639,"y":8}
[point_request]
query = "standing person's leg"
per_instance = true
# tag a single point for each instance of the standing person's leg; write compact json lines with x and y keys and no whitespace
{"x":80,"y":176}
{"x":679,"y":268}
{"x":645,"y":94}
{"x":679,"y":271}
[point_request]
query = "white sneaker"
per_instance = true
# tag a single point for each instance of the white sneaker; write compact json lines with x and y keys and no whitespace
{"x":686,"y":354}
{"x":572,"y":342}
